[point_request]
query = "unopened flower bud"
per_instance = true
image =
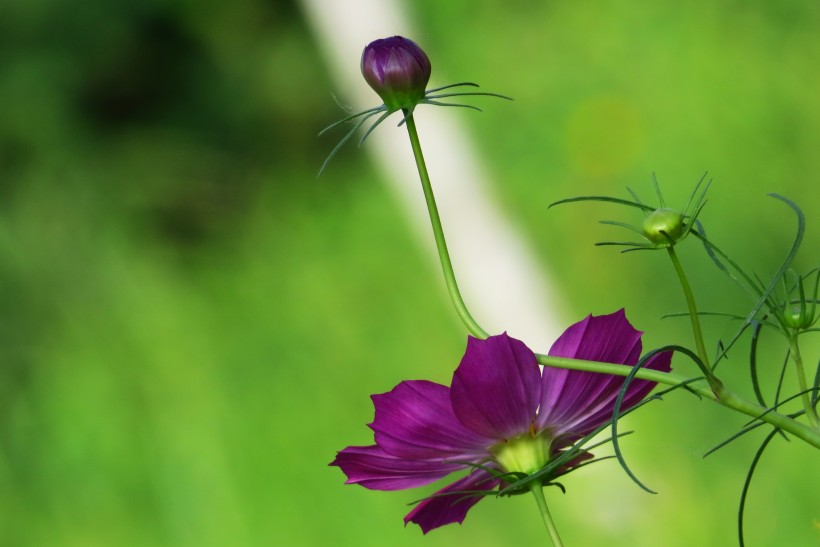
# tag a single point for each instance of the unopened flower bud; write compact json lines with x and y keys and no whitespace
{"x":798,"y":318}
{"x":398,"y":70}
{"x":663,"y":227}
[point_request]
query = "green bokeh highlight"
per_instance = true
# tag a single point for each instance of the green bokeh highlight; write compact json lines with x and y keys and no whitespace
{"x":191,"y":322}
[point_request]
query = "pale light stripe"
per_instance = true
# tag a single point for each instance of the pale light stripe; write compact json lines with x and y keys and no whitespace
{"x":501,"y":282}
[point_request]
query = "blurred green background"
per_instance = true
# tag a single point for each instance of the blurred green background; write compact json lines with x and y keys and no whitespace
{"x":191,"y":321}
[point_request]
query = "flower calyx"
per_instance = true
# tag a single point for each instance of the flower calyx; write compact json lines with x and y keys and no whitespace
{"x":800,"y":313}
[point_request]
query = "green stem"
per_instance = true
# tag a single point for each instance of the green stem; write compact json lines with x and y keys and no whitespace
{"x":811,"y":412}
{"x":438,"y":233}
{"x":721,"y":396}
{"x":693,"y":309}
{"x":538,"y":491}
{"x":715,"y":391}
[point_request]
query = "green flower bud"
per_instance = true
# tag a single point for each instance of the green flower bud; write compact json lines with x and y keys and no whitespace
{"x":663,"y":225}
{"x":800,"y":312}
{"x":797,"y":318}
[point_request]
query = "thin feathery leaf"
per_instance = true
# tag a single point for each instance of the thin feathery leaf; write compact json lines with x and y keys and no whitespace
{"x":692,"y":218}
{"x":641,"y":248}
{"x":746,"y":323}
{"x":776,"y":327}
{"x":782,"y":377}
{"x":607,"y":440}
{"x":559,"y":485}
{"x":695,"y":192}
{"x":616,"y":415}
{"x":771,"y":303}
{"x":622,"y":225}
{"x":801,"y":228}
{"x":345,"y":107}
{"x":658,"y":190}
{"x":353,"y":117}
{"x":703,"y":314}
{"x":720,"y":348}
{"x":710,"y":378}
{"x":733,"y":438}
{"x":760,"y":285}
{"x":616,"y":412}
{"x":684,"y":385}
{"x":343,"y":141}
{"x":372,"y":127}
{"x":497,"y":473}
{"x":748,"y":482}
{"x":751,"y":426}
{"x":813,"y":309}
{"x":702,"y":199}
{"x":787,"y":290}
{"x":623,"y":244}
{"x":781,"y":403}
{"x":713,"y":251}
{"x":605,"y":199}
{"x":407,"y":115}
{"x":460,"y":84}
{"x":468,"y":94}
{"x":756,"y":327}
{"x":590,"y":462}
{"x":437,"y":103}
{"x":635,"y":197}
{"x":701,"y":203}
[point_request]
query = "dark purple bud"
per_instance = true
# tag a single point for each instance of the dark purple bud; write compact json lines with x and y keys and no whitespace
{"x":398,"y":70}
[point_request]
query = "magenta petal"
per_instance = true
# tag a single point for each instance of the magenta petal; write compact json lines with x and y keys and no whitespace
{"x":610,"y":338}
{"x":637,"y":390}
{"x":496,"y":387}
{"x":373,"y":468}
{"x":440,"y":510}
{"x":576,"y":402}
{"x":416,"y":420}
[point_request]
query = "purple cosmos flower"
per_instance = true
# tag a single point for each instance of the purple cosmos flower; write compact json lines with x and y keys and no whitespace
{"x":501,"y":413}
{"x":398,"y":70}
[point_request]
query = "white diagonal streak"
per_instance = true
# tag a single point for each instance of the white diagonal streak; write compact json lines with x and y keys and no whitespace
{"x":501,"y":282}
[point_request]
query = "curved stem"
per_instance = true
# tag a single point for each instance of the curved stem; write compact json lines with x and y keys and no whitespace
{"x":715,"y":391}
{"x":538,"y":491}
{"x":811,"y":412}
{"x":721,"y":396}
{"x":693,"y":309}
{"x":438,"y":233}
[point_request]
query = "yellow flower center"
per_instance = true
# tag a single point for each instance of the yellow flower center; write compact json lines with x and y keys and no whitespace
{"x":525,"y":453}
